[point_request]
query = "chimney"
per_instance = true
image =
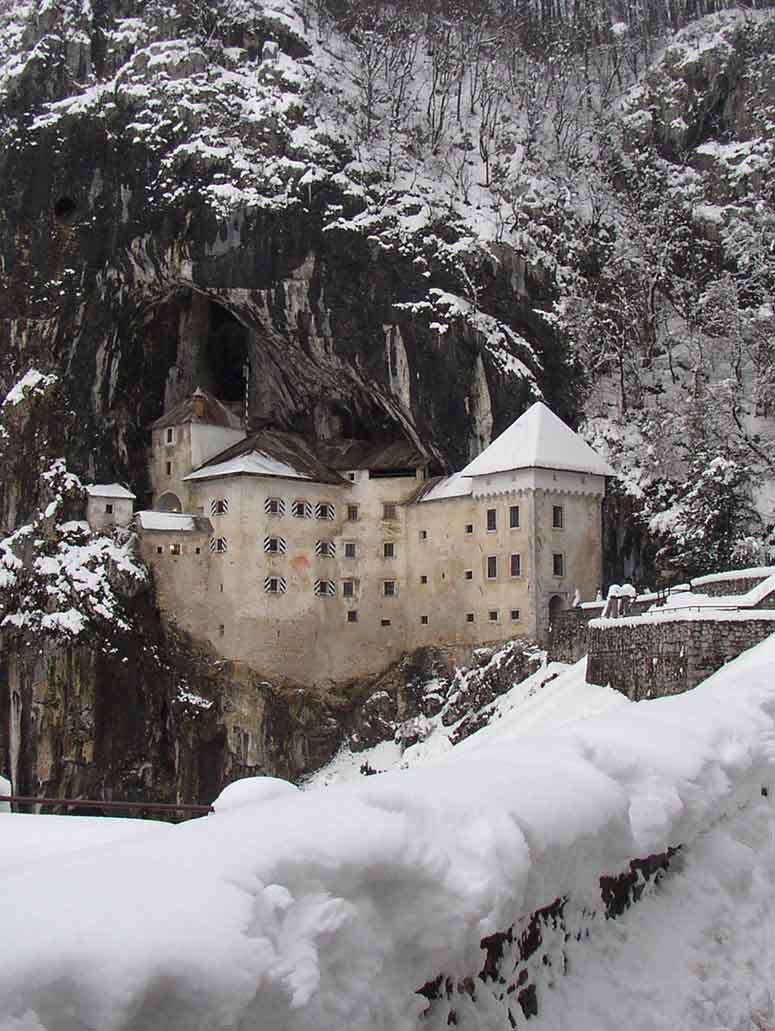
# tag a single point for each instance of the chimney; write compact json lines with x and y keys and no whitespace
{"x":199,"y":403}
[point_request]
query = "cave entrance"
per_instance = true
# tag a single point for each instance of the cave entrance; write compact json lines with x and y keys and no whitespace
{"x":225,"y":354}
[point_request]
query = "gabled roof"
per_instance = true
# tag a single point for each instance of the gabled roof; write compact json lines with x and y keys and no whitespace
{"x":108,"y":490}
{"x":442,"y":487}
{"x":539,"y":439}
{"x":214,"y":413}
{"x":269,"y":453}
{"x":173,"y":522}
{"x":362,"y":454}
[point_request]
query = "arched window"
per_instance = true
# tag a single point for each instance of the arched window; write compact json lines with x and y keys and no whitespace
{"x":169,"y":502}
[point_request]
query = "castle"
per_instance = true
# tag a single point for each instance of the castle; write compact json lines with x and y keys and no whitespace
{"x":320,"y":561}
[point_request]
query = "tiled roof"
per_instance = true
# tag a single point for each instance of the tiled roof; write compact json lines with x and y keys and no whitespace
{"x":214,"y":414}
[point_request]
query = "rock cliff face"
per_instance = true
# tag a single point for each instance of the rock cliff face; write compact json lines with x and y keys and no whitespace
{"x":249,"y":197}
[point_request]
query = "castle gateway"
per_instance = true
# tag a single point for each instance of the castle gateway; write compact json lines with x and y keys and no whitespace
{"x":321,"y":561}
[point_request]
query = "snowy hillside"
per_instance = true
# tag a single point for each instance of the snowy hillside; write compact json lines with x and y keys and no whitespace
{"x":330,"y":908}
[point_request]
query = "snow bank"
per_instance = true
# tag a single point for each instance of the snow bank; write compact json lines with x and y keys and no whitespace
{"x":328,"y":908}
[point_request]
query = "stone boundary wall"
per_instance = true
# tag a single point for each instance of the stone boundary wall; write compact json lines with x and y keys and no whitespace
{"x":568,"y":639}
{"x":719,"y":588}
{"x":650,"y":660}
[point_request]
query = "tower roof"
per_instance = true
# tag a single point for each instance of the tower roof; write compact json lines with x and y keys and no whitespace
{"x":202,"y":408}
{"x":539,"y":439}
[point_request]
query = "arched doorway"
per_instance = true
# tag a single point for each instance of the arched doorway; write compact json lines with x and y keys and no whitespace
{"x":169,"y":502}
{"x":556,"y":605}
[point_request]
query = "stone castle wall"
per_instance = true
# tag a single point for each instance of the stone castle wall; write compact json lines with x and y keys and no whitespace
{"x":650,"y":660}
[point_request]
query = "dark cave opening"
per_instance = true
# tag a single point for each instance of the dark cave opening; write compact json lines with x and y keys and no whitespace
{"x":225,"y":354}
{"x":64,"y":209}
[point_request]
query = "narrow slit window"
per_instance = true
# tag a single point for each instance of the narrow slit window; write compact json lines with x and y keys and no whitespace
{"x":515,"y":565}
{"x":558,"y":564}
{"x":492,"y":520}
{"x":514,"y":517}
{"x":492,"y":567}
{"x":558,"y":517}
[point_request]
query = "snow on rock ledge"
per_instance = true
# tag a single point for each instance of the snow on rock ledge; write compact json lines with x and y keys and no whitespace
{"x":329,"y":908}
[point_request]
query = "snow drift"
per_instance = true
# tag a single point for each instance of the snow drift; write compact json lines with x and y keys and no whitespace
{"x":329,"y":908}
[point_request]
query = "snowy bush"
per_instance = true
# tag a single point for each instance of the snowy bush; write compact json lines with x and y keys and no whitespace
{"x":60,"y":580}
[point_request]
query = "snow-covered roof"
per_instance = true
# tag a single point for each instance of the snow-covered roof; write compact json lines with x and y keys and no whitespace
{"x":454,"y":486}
{"x":166,"y":521}
{"x":539,"y":439}
{"x":254,"y":463}
{"x":109,"y":490}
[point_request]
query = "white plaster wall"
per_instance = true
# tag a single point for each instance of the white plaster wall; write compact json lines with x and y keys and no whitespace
{"x":100,"y":520}
{"x":207,"y":441}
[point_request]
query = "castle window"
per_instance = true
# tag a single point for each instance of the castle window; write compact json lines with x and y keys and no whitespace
{"x":301,"y":509}
{"x":492,"y":615}
{"x":352,"y":615}
{"x":350,"y":549}
{"x":170,"y":435}
{"x":558,"y":517}
{"x":353,"y":513}
{"x":469,"y":617}
{"x":385,"y":622}
{"x":218,"y":506}
{"x":558,"y":564}
{"x":423,"y":535}
{"x":492,"y":520}
{"x":221,"y":629}
{"x":198,"y":551}
{"x":468,"y":574}
{"x":168,"y":468}
{"x":515,"y":615}
{"x":159,"y":549}
{"x":348,"y":588}
{"x":351,"y":477}
{"x":388,"y":549}
{"x":108,"y":509}
{"x":175,"y":549}
{"x":275,"y":585}
{"x":389,"y":510}
{"x":492,"y":567}
{"x":325,"y":588}
{"x":423,"y":579}
{"x":274,"y":545}
{"x":325,"y":549}
{"x":424,"y":620}
{"x":389,"y":588}
{"x":218,"y":545}
{"x":274,"y":507}
{"x":515,"y":565}
{"x":324,"y":510}
{"x":514,"y":517}
{"x":469,"y":529}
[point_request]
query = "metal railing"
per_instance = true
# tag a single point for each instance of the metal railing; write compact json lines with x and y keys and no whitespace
{"x":93,"y":803}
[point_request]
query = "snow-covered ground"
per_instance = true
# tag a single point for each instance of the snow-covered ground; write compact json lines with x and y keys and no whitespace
{"x":328,"y":908}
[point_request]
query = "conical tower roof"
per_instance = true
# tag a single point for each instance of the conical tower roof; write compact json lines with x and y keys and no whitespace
{"x":539,"y":439}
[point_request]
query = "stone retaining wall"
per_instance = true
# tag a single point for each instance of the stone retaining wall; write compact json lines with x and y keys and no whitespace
{"x":649,"y":660}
